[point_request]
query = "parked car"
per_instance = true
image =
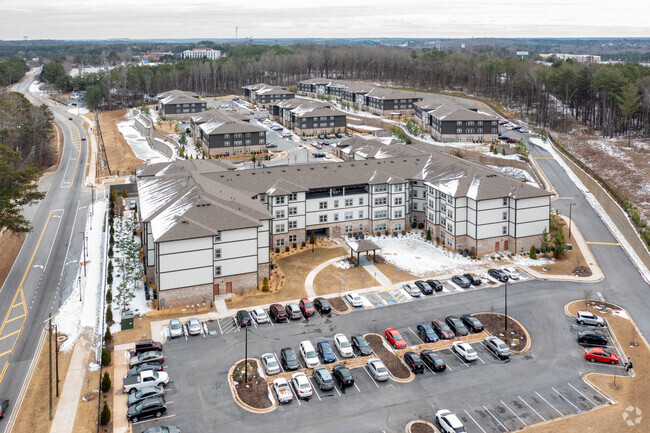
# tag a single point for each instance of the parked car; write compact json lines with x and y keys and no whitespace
{"x":435,"y":284}
{"x":271,"y":145}
{"x":343,"y":345}
{"x":243,"y":319}
{"x":323,"y":378}
{"x":144,"y":393}
{"x":293,"y":311}
{"x":278,"y":312}
{"x":497,"y":346}
{"x":325,"y":351}
{"x":322,"y":306}
{"x":154,"y":406}
{"x":476,"y":281}
{"x":449,"y":422}
{"x":318,"y":155}
{"x":289,"y":359}
{"x":433,"y":360}
{"x":259,"y":315}
{"x":342,"y":376}
{"x":301,"y":385}
{"x":395,"y":338}
{"x":360,"y":345}
{"x":151,"y":357}
{"x":498,"y":274}
{"x":461,"y":281}
{"x":146,"y":378}
{"x":472,"y":323}
{"x":465,"y":351}
{"x":306,"y":307}
{"x":513,"y":274}
{"x":456,"y":325}
{"x":163,"y":429}
{"x":321,"y":136}
{"x":303,"y":138}
{"x":309,"y":354}
{"x":424,"y":287}
{"x":4,"y":405}
{"x":270,"y":364}
{"x":338,"y":135}
{"x":426,"y":333}
{"x":194,"y":326}
{"x":135,"y":371}
{"x":588,"y":318}
{"x":414,"y":361}
{"x":354,"y":300}
{"x":592,"y":338}
{"x":175,"y":328}
{"x":442,"y":329}
{"x":142,"y":346}
{"x":524,"y":131}
{"x":594,"y":354}
{"x":317,"y":145}
{"x":282,"y":390}
{"x":378,"y":370}
{"x":412,"y":290}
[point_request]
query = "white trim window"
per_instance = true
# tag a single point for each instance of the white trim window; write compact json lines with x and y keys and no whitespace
{"x":217,"y":271}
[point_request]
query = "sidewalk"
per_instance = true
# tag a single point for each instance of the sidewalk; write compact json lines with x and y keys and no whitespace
{"x":66,"y":410}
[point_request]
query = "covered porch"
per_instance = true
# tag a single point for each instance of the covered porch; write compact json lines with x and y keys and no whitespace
{"x":362,"y":246}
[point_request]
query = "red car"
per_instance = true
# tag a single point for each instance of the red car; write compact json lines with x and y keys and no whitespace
{"x":395,"y":338}
{"x":307,"y":307}
{"x":594,"y":354}
{"x":442,"y":329}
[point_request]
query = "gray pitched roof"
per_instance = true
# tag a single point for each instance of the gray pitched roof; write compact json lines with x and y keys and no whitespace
{"x":177,"y":92}
{"x":219,"y":126}
{"x":452,"y":112}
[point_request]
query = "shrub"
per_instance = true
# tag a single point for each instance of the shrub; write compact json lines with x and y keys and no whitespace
{"x":106,"y":382}
{"x":533,"y":252}
{"x":503,"y":151}
{"x":108,"y":337}
{"x":105,"y":416}
{"x":125,"y":193}
{"x":109,"y":317}
{"x":472,"y":253}
{"x":559,"y":245}
{"x":106,"y":357}
{"x":110,"y":251}
{"x":265,"y":285}
{"x":429,"y":235}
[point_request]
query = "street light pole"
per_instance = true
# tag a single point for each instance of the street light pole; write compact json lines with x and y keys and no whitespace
{"x":49,"y":339}
{"x":246,"y":357}
{"x":56,"y":358}
{"x":570,"y":206}
{"x":506,"y":308}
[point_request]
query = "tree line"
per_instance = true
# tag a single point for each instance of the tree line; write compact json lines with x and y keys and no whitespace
{"x":12,"y":70}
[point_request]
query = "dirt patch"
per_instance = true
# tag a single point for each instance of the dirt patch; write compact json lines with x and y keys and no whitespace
{"x":330,"y":280}
{"x":10,"y":244}
{"x":630,"y":392}
{"x":86,"y":418}
{"x":121,"y":159}
{"x":293,"y":269}
{"x":392,"y":272}
{"x":338,"y":304}
{"x":34,"y":415}
{"x":572,"y":263}
{"x":514,"y":337}
{"x":421,"y":427}
{"x":255,"y":392}
{"x":390,"y":359}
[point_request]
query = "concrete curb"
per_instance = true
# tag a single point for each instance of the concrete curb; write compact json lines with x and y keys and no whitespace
{"x":529,"y":341}
{"x":238,"y":400}
{"x":410,"y":424}
{"x":397,"y":353}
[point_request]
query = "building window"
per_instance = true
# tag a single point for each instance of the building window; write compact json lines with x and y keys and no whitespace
{"x":279,"y":200}
{"x":380,"y":201}
{"x":279,"y":242}
{"x":381,"y":188}
{"x":217,"y":253}
{"x":293,"y":224}
{"x":380,"y":214}
{"x":459,"y":131}
{"x":322,"y":205}
{"x":450,"y":228}
{"x":226,"y":135}
{"x":349,"y":215}
{"x":505,"y":201}
{"x":293,"y":238}
{"x":398,"y":201}
{"x":336,"y":217}
{"x":322,"y":218}
{"x":293,"y":210}
{"x":336,"y":203}
{"x":360,"y":214}
{"x":380,"y":227}
{"x":293,"y":196}
{"x":505,"y":216}
{"x":226,"y":143}
{"x":398,"y":188}
{"x":349,"y":202}
{"x":279,"y":213}
{"x":397,"y":227}
{"x":361,"y":201}
{"x":279,"y":228}
{"x":217,"y":271}
{"x":443,"y":221}
{"x":459,"y":123}
{"x":217,"y":237}
{"x":348,"y":229}
{"x":450,"y":213}
{"x":398,"y":214}
{"x":361,"y":227}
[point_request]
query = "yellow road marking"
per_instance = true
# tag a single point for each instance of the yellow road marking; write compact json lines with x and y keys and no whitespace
{"x":3,"y":354}
{"x":78,"y":148}
{"x":11,"y":320}
{"x":603,"y":243}
{"x":9,"y":335}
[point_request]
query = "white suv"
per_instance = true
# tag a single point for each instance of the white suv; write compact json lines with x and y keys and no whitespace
{"x":308,"y":354}
{"x":449,"y":422}
{"x":588,"y":318}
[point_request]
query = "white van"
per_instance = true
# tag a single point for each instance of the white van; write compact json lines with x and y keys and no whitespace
{"x":309,"y":354}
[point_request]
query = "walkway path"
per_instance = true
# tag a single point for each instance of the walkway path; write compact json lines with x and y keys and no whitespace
{"x":309,"y":281}
{"x":66,"y":410}
{"x":374,"y":272}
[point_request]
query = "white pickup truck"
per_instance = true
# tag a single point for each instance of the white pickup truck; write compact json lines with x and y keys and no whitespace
{"x":282,"y":390}
{"x":146,"y":378}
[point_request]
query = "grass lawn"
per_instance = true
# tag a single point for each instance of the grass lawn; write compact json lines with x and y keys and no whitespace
{"x":330,"y":280}
{"x":568,"y":263}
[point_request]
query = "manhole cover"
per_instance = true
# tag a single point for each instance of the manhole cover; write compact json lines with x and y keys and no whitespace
{"x":61,"y":338}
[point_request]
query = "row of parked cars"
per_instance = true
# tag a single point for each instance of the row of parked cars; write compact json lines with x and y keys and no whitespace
{"x":465,"y":281}
{"x":282,"y":313}
{"x":145,"y":383}
{"x":591,"y":338}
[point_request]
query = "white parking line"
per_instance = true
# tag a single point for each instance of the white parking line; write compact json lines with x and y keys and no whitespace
{"x":549,"y":403}
{"x":153,"y":419}
{"x":370,"y":375}
{"x":295,"y":396}
{"x":506,"y":406}
{"x":568,"y":401}
{"x":457,"y":356}
{"x":391,"y":295}
{"x":336,"y":388}
{"x":531,"y":408}
{"x":586,"y":398}
{"x":495,"y":418}
{"x":491,"y":353}
{"x":355,"y":385}
{"x":313,"y":387}
{"x":604,"y":396}
{"x":271,"y":320}
{"x":479,"y":358}
{"x":416,"y":335}
{"x":279,"y":363}
{"x":219,"y":323}
{"x":477,"y":425}
{"x":429,"y":368}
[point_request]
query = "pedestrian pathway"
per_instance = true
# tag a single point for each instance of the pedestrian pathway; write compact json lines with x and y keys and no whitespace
{"x":374,"y":272}
{"x":66,"y":410}
{"x":309,"y":281}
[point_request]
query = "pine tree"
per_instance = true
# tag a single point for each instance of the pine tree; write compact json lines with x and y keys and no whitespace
{"x":533,"y":252}
{"x":106,"y":357}
{"x":429,"y":235}
{"x":312,"y":241}
{"x":559,"y":244}
{"x":105,"y":417}
{"x":106,"y":382}
{"x":545,"y":243}
{"x":109,"y":315}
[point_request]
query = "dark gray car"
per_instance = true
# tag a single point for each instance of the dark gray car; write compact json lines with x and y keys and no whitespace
{"x":323,"y":378}
{"x":144,"y":393}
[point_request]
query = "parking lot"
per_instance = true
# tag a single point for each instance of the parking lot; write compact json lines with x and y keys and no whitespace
{"x":541,"y":385}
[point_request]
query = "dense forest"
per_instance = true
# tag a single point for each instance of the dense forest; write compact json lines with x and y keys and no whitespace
{"x":613,"y":99}
{"x":12,"y":70}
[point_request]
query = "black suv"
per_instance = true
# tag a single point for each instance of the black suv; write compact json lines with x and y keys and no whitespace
{"x":435,"y":284}
{"x":322,"y":306}
{"x":424,"y":287}
{"x":472,"y":323}
{"x":342,"y":376}
{"x":461,"y":281}
{"x":456,"y":325}
{"x":433,"y":360}
{"x":498,"y":274}
{"x":592,"y":338}
{"x":414,"y":361}
{"x":243,"y":319}
{"x":476,"y":281}
{"x":154,"y":406}
{"x":289,"y":359}
{"x":360,"y":345}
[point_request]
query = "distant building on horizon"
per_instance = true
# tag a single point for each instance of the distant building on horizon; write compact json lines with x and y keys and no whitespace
{"x":580,"y":58}
{"x":201,"y":53}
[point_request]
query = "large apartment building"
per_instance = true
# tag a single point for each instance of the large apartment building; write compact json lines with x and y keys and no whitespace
{"x":464,"y":204}
{"x":307,"y":117}
{"x":201,"y":53}
{"x":264,"y":94}
{"x":451,"y":122}
{"x":222,"y":134}
{"x":179,"y":103}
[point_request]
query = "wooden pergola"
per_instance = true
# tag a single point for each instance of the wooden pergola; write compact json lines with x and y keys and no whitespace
{"x":362,"y":246}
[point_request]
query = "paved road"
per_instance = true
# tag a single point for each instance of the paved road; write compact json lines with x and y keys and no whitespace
{"x":44,"y":272}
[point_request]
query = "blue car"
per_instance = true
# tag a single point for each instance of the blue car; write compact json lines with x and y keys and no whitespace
{"x":426,"y":333}
{"x":325,"y":351}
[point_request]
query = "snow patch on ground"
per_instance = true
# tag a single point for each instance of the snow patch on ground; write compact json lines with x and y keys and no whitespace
{"x":93,"y":366}
{"x":527,"y":261}
{"x":76,"y":317}
{"x":342,"y":264}
{"x":139,"y":143}
{"x":35,"y":87}
{"x":517,"y":173}
{"x":78,"y":111}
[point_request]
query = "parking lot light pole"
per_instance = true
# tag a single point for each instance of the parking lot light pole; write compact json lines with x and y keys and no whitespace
{"x":246,"y":357}
{"x":506,"y":307}
{"x":570,"y":206}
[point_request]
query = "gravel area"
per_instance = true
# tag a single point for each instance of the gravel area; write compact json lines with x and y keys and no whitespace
{"x":515,"y":337}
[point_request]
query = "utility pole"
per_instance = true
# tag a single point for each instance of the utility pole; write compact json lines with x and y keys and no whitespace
{"x":246,"y":357}
{"x":506,"y":316}
{"x":49,"y":325}
{"x":83,"y":241}
{"x":56,"y":357}
{"x":570,"y":206}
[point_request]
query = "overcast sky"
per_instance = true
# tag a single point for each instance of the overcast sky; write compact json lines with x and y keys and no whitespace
{"x":156,"y":19}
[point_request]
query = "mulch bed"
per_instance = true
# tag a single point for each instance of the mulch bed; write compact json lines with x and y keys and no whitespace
{"x":420,"y":427}
{"x":338,"y":304}
{"x":494,"y":324}
{"x":255,"y":392}
{"x":390,"y":360}
{"x":582,"y":271}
